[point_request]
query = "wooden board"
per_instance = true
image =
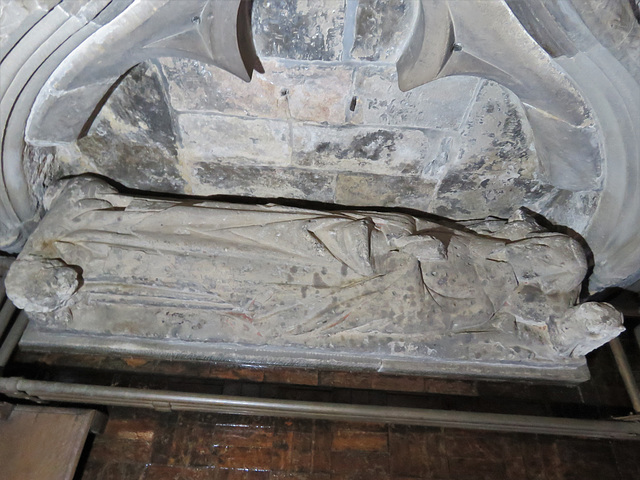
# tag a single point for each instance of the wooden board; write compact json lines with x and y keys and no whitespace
{"x":43,"y":443}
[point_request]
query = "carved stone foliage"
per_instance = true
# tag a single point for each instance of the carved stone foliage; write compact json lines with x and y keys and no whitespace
{"x":280,"y":284}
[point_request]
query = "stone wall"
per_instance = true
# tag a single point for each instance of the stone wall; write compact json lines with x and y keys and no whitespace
{"x":325,"y":122}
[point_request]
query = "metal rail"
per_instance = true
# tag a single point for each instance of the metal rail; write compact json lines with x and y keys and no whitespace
{"x":169,"y":401}
{"x":12,"y":338}
{"x":626,"y":373}
{"x":164,"y":400}
{"x":6,"y":313}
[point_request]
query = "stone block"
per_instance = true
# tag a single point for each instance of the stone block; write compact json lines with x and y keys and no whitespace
{"x":382,"y":29}
{"x":377,"y":150}
{"x":132,"y":140}
{"x":260,"y":181}
{"x":384,"y":190}
{"x":316,"y":93}
{"x":234,"y":140}
{"x":299,"y":29}
{"x":441,"y":104}
{"x":496,"y":168}
{"x":193,"y":85}
{"x":303,"y":91}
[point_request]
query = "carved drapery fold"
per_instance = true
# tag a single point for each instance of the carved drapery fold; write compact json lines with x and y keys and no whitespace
{"x":342,"y":284}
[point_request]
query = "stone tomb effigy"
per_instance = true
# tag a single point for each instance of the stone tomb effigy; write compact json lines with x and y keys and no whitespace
{"x":275,"y":285}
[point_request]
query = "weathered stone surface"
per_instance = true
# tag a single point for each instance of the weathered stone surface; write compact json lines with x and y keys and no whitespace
{"x":565,"y":207}
{"x":599,"y":320}
{"x":15,"y":15}
{"x":194,"y":86}
{"x":372,"y":150}
{"x":235,"y":140}
{"x":495,"y":162}
{"x":386,"y":190}
{"x":616,"y":26}
{"x":440,"y":105}
{"x":284,"y":91}
{"x":267,"y":182}
{"x":317,"y":94}
{"x":132,"y":140}
{"x":382,"y":29}
{"x":299,"y":29}
{"x":283,"y":136}
{"x":269,"y":282}
{"x":571,"y":63}
{"x":41,"y":285}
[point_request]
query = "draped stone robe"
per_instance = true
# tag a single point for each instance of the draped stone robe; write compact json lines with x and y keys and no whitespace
{"x":329,"y":282}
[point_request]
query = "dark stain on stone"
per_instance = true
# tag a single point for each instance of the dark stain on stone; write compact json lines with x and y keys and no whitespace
{"x":371,"y":145}
{"x":383,"y":190}
{"x":502,"y":175}
{"x":243,"y":180}
{"x":132,"y":139}
{"x":318,"y":282}
{"x":323,"y":147}
{"x":512,"y":144}
{"x":456,"y":182}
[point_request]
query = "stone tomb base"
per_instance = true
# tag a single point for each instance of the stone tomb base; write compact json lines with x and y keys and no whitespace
{"x":37,"y":339}
{"x":273,"y":285}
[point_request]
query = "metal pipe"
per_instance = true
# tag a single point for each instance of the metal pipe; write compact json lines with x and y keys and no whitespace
{"x":179,"y":401}
{"x":5,"y":315}
{"x":12,"y":339}
{"x":626,"y":373}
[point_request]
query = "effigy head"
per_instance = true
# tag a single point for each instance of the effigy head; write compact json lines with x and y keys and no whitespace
{"x":586,"y":327}
{"x":41,"y":285}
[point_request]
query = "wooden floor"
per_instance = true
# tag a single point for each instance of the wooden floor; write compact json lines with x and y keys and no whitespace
{"x":147,"y":445}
